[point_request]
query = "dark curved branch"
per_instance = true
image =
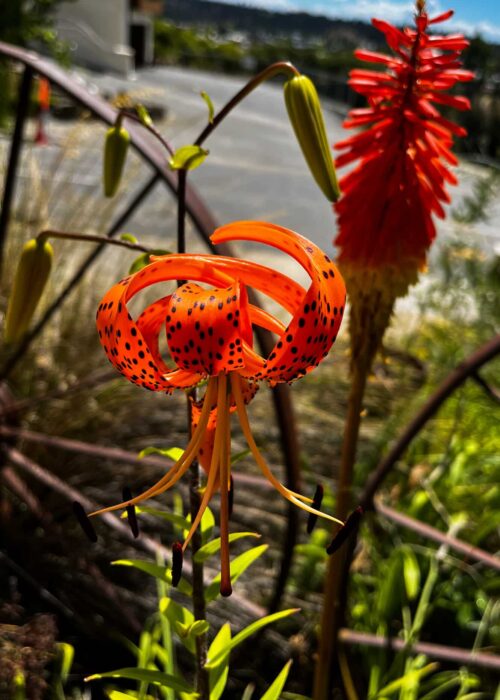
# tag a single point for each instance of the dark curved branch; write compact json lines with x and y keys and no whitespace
{"x":15,"y":407}
{"x":436,"y":535}
{"x":434,"y":651}
{"x":490,"y":391}
{"x":144,"y":542}
{"x":115,"y":454}
{"x":456,"y":378}
{"x":202,"y":217}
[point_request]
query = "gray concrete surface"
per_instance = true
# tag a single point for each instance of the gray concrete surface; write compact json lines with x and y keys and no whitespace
{"x":255,"y":168}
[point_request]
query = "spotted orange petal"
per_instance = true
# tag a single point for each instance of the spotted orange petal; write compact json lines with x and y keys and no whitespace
{"x":122,"y":338}
{"x":207,"y":328}
{"x":316,"y":321}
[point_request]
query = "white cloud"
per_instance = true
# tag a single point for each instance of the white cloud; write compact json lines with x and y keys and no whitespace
{"x":392,"y":11}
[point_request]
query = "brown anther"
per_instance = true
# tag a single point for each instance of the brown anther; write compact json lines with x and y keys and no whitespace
{"x":84,"y":521}
{"x":317,"y":499}
{"x":131,"y":513}
{"x":177,"y":559}
{"x":226,"y":589}
{"x":349,"y":526}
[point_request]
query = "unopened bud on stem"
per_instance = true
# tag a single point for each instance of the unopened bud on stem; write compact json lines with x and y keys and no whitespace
{"x":304,"y":110}
{"x":115,"y":152}
{"x":32,"y":273}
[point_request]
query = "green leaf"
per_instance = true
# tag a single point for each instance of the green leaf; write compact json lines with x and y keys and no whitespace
{"x":118,"y":695}
{"x":198,"y":628}
{"x":217,"y":677}
{"x":145,"y":649}
{"x":143,"y":259}
{"x":182,"y":630}
{"x":274,"y":690}
{"x":248,"y":692}
{"x":160,"y":572}
{"x":143,"y":115}
{"x":206,"y":526}
{"x":408,"y":680}
{"x":178,"y":615}
{"x":238,"y":456}
{"x":214,"y":545}
{"x":177,"y":520}
{"x":311,"y":551}
{"x":173,"y":453}
{"x":214,"y":659}
{"x":146,"y":675}
{"x":19,"y":685}
{"x":210,"y":105}
{"x":66,"y":654}
{"x":161,"y":655}
{"x":238,"y":566}
{"x":411,"y":573}
{"x":440,"y":689}
{"x":128,"y":237}
{"x":188,"y":158}
{"x":388,"y":601}
{"x":294,"y":696}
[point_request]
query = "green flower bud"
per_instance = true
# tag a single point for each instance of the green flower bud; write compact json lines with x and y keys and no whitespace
{"x":304,"y":111}
{"x":32,"y":273}
{"x":115,"y":152}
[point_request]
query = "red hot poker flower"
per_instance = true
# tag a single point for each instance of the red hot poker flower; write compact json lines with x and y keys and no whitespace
{"x":403,"y":156}
{"x":209,"y":334}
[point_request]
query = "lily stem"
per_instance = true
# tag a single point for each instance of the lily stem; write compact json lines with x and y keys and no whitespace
{"x":88,"y":238}
{"x":333,"y":612}
{"x":128,"y":114}
{"x":199,"y":611}
{"x":269,"y":72}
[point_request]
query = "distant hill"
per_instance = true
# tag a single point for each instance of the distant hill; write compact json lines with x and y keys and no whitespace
{"x":258,"y":23}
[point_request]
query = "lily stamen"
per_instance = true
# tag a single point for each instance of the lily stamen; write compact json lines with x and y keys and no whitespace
{"x":180,"y":467}
{"x":291,"y":496}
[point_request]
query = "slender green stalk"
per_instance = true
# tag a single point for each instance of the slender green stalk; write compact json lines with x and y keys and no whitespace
{"x":202,"y":680}
{"x":166,"y":631}
{"x":88,"y":238}
{"x":149,"y":126}
{"x":269,"y":72}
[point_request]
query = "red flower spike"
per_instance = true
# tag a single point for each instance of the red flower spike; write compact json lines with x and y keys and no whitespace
{"x":210,"y":336}
{"x":385,"y":216}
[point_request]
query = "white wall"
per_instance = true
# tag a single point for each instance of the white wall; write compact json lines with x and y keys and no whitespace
{"x":97,"y":31}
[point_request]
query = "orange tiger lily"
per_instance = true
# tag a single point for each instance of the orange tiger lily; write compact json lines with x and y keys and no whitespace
{"x":209,"y":334}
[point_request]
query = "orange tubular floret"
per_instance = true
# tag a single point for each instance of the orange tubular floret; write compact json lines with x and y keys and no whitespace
{"x":390,"y":232}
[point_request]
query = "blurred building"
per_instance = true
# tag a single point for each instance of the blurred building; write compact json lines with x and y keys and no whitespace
{"x":109,"y":35}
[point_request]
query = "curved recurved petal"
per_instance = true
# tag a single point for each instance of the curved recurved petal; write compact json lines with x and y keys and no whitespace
{"x":285,"y":291}
{"x":316,"y":321}
{"x":150,"y":323}
{"x":122,"y":338}
{"x":124,"y":343}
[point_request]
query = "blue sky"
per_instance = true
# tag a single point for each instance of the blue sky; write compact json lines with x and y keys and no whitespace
{"x":471,"y":16}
